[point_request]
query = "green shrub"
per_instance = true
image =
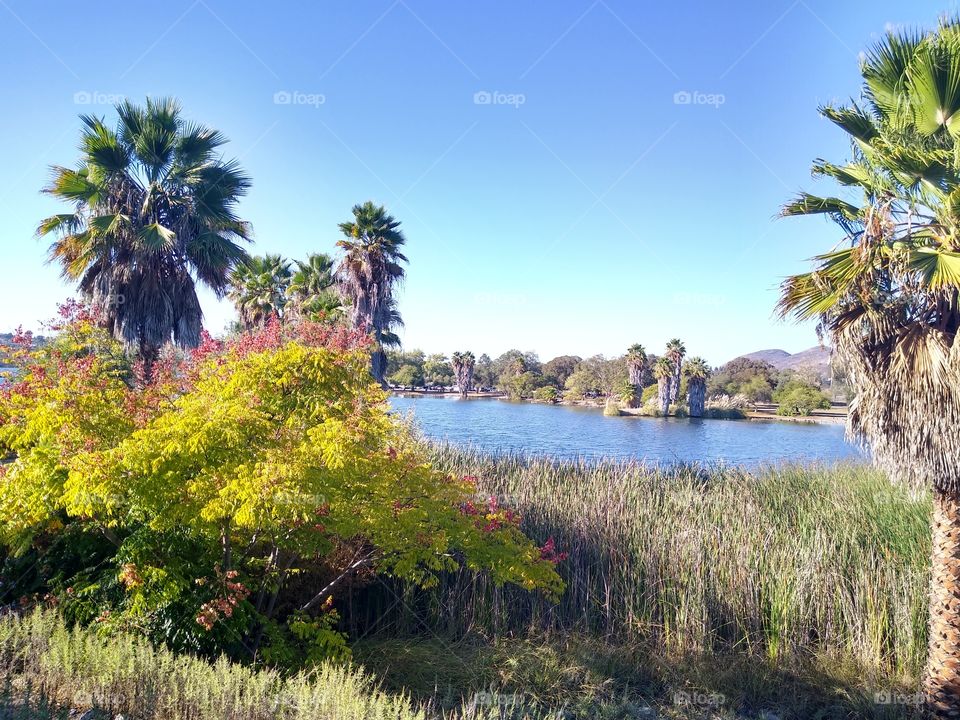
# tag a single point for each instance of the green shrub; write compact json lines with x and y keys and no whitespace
{"x":801,"y":399}
{"x":256,"y":480}
{"x":547,"y":393}
{"x":649,"y":393}
{"x":407,"y":376}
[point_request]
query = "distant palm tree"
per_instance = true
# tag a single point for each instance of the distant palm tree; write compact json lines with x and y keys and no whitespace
{"x":369,"y":273}
{"x":889,"y":297}
{"x":675,"y":353}
{"x":154,"y":213}
{"x":311,"y":291}
{"x":258,"y":288}
{"x":463,"y":364}
{"x":697,"y":372}
{"x":636,"y":366}
{"x":663,"y":372}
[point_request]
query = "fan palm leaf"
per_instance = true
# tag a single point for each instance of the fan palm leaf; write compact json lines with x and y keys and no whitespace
{"x":890,"y":301}
{"x":154,"y":212}
{"x":368,"y":274}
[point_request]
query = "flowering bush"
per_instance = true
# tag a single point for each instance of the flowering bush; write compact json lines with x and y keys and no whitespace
{"x":239,"y":489}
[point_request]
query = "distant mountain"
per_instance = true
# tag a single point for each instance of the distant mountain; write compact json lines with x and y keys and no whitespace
{"x":816,"y":358}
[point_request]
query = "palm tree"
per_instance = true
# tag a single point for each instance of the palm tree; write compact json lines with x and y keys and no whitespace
{"x":463,"y":364}
{"x":663,"y":372}
{"x":697,"y":372}
{"x":368,"y":275}
{"x":636,"y":366}
{"x":258,"y":288}
{"x":154,"y":212}
{"x":889,"y":298}
{"x":311,"y":290}
{"x":675,"y":353}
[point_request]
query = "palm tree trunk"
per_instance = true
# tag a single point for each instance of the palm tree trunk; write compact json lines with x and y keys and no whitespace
{"x":695,"y":397}
{"x":378,"y":366}
{"x":663,"y":394}
{"x":148,"y":356}
{"x":942,"y":681}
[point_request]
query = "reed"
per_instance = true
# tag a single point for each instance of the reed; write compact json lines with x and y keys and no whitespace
{"x":783,"y":562}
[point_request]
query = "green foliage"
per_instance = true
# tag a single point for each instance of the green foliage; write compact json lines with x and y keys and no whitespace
{"x":798,"y":398}
{"x":520,"y":386}
{"x":753,"y":378}
{"x":649,"y":393}
{"x":557,"y":370}
{"x":256,"y":464}
{"x":407,"y":376}
{"x":547,"y":393}
{"x":437,"y":371}
{"x":319,"y":638}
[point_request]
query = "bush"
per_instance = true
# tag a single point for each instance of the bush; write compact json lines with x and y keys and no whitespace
{"x":796,"y":396}
{"x":649,"y":393}
{"x":407,"y":376}
{"x":255,"y":463}
{"x":801,"y":400}
{"x":547,"y":393}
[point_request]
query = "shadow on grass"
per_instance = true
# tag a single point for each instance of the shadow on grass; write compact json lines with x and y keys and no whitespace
{"x":575,"y":677}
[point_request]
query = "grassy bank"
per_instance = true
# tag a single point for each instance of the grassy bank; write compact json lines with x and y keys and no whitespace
{"x":796,"y":591}
{"x":798,"y":567}
{"x":48,"y":671}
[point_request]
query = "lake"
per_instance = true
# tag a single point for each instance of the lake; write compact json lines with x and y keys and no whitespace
{"x":567,"y":432}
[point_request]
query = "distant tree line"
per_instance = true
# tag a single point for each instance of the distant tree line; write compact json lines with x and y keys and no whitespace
{"x":669,"y":383}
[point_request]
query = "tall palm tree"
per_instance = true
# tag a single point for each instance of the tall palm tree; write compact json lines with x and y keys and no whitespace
{"x":663,"y":371}
{"x":889,"y":297}
{"x":676,"y":351}
{"x":258,"y":288}
{"x":697,"y":372}
{"x":369,"y":273}
{"x":311,"y":291}
{"x":463,"y":364}
{"x":636,"y":366}
{"x":154,"y":212}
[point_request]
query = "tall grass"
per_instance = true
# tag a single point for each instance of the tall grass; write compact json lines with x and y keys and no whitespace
{"x":781,"y":562}
{"x":46,"y":669}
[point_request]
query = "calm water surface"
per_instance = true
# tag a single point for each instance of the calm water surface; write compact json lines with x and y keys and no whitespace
{"x":566,"y":432}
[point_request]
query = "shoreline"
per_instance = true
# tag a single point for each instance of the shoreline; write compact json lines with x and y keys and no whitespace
{"x":767,"y":413}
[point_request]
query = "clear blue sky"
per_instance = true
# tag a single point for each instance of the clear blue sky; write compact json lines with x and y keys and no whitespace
{"x":580,"y":210}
